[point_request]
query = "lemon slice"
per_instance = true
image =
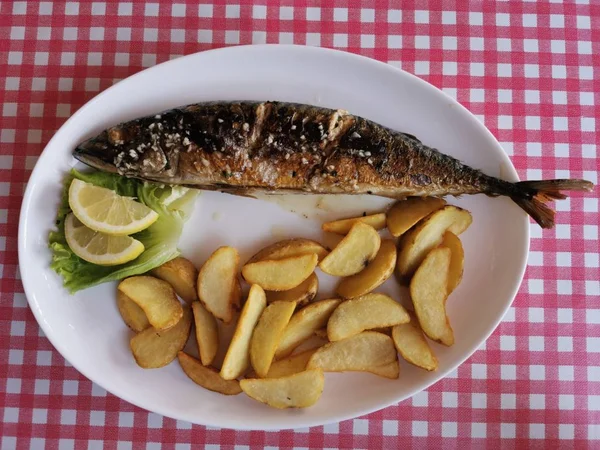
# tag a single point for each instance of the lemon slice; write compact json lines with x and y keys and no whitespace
{"x":99,"y":248}
{"x":105,"y":211}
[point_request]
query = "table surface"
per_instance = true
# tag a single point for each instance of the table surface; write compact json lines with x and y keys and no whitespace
{"x":528,"y":70}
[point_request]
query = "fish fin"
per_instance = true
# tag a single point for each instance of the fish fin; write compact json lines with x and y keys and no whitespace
{"x":531,"y":196}
{"x":543,"y":215}
{"x":547,"y":190}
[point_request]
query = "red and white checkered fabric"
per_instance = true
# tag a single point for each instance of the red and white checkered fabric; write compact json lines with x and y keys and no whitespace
{"x":528,"y":70}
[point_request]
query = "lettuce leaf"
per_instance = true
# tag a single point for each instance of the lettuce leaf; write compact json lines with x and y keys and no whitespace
{"x":174,"y":205}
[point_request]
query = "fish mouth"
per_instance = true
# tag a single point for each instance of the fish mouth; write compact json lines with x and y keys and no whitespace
{"x":97,"y":153}
{"x":94,"y":161}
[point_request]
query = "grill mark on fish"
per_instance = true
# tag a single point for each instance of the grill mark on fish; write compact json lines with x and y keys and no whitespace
{"x":243,"y":146}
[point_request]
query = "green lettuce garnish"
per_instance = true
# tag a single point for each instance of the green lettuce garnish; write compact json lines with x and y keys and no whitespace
{"x":173,"y":204}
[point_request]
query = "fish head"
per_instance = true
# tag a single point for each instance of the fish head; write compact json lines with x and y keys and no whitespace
{"x":98,"y":152}
{"x":130,"y":150}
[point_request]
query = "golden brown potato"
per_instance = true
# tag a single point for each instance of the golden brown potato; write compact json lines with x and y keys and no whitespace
{"x":281,"y":274}
{"x":226,"y":331}
{"x":207,"y":333}
{"x":182,"y":275}
{"x":218,"y":284}
{"x":343,"y":226}
{"x":372,"y":276}
{"x":354,"y":252}
{"x":429,"y":291}
{"x":405,"y":214}
{"x":457,"y":261}
{"x":133,"y":316}
{"x":427,"y":234}
{"x":154,"y":348}
{"x":299,"y":390}
{"x":303,"y":325}
{"x":360,"y":352}
{"x":207,"y":377}
{"x":237,"y":359}
{"x":412,"y":345}
{"x":364,"y":313}
{"x":156,"y":298}
{"x":391,"y":370}
{"x":290,"y":365}
{"x":301,"y":294}
{"x":267,"y":335}
{"x":290,"y":247}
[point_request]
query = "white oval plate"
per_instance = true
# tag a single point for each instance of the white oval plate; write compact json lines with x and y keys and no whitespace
{"x":86,"y":328}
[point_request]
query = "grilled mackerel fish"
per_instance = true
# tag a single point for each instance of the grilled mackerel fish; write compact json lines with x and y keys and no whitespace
{"x":240,"y":147}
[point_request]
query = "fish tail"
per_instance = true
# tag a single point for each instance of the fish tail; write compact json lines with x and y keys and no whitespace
{"x":531,"y":196}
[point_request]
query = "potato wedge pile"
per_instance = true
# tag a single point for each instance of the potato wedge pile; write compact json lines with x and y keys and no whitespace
{"x":427,"y":255}
{"x":284,"y":335}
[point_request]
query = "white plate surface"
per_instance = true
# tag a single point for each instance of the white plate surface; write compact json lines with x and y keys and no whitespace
{"x":87,"y":329}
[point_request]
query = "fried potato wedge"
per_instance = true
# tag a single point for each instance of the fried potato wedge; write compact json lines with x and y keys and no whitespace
{"x":343,"y":226}
{"x":207,"y":377}
{"x":290,"y":247}
{"x":301,"y":294}
{"x":157,"y":299}
{"x":360,"y":352}
{"x":427,"y":234}
{"x":182,"y":275}
{"x":457,"y":261}
{"x":364,"y":313}
{"x":412,"y":345}
{"x":391,"y":370}
{"x":372,"y":276}
{"x":290,"y":365}
{"x":133,"y":316}
{"x":405,"y":214}
{"x":303,"y":325}
{"x":429,"y":291}
{"x":267,"y":335}
{"x":237,"y":358}
{"x":154,"y":348}
{"x":281,"y":274}
{"x":353,"y":252}
{"x":299,"y":390}
{"x":218,"y":284}
{"x":207,"y":333}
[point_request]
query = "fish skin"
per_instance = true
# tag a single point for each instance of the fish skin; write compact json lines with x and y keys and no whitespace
{"x":240,"y":147}
{"x":282,"y":147}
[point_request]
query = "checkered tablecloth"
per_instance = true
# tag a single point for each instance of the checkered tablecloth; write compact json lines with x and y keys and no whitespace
{"x":530,"y":71}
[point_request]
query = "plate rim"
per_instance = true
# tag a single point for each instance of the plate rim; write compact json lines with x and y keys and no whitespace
{"x":303,"y":422}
